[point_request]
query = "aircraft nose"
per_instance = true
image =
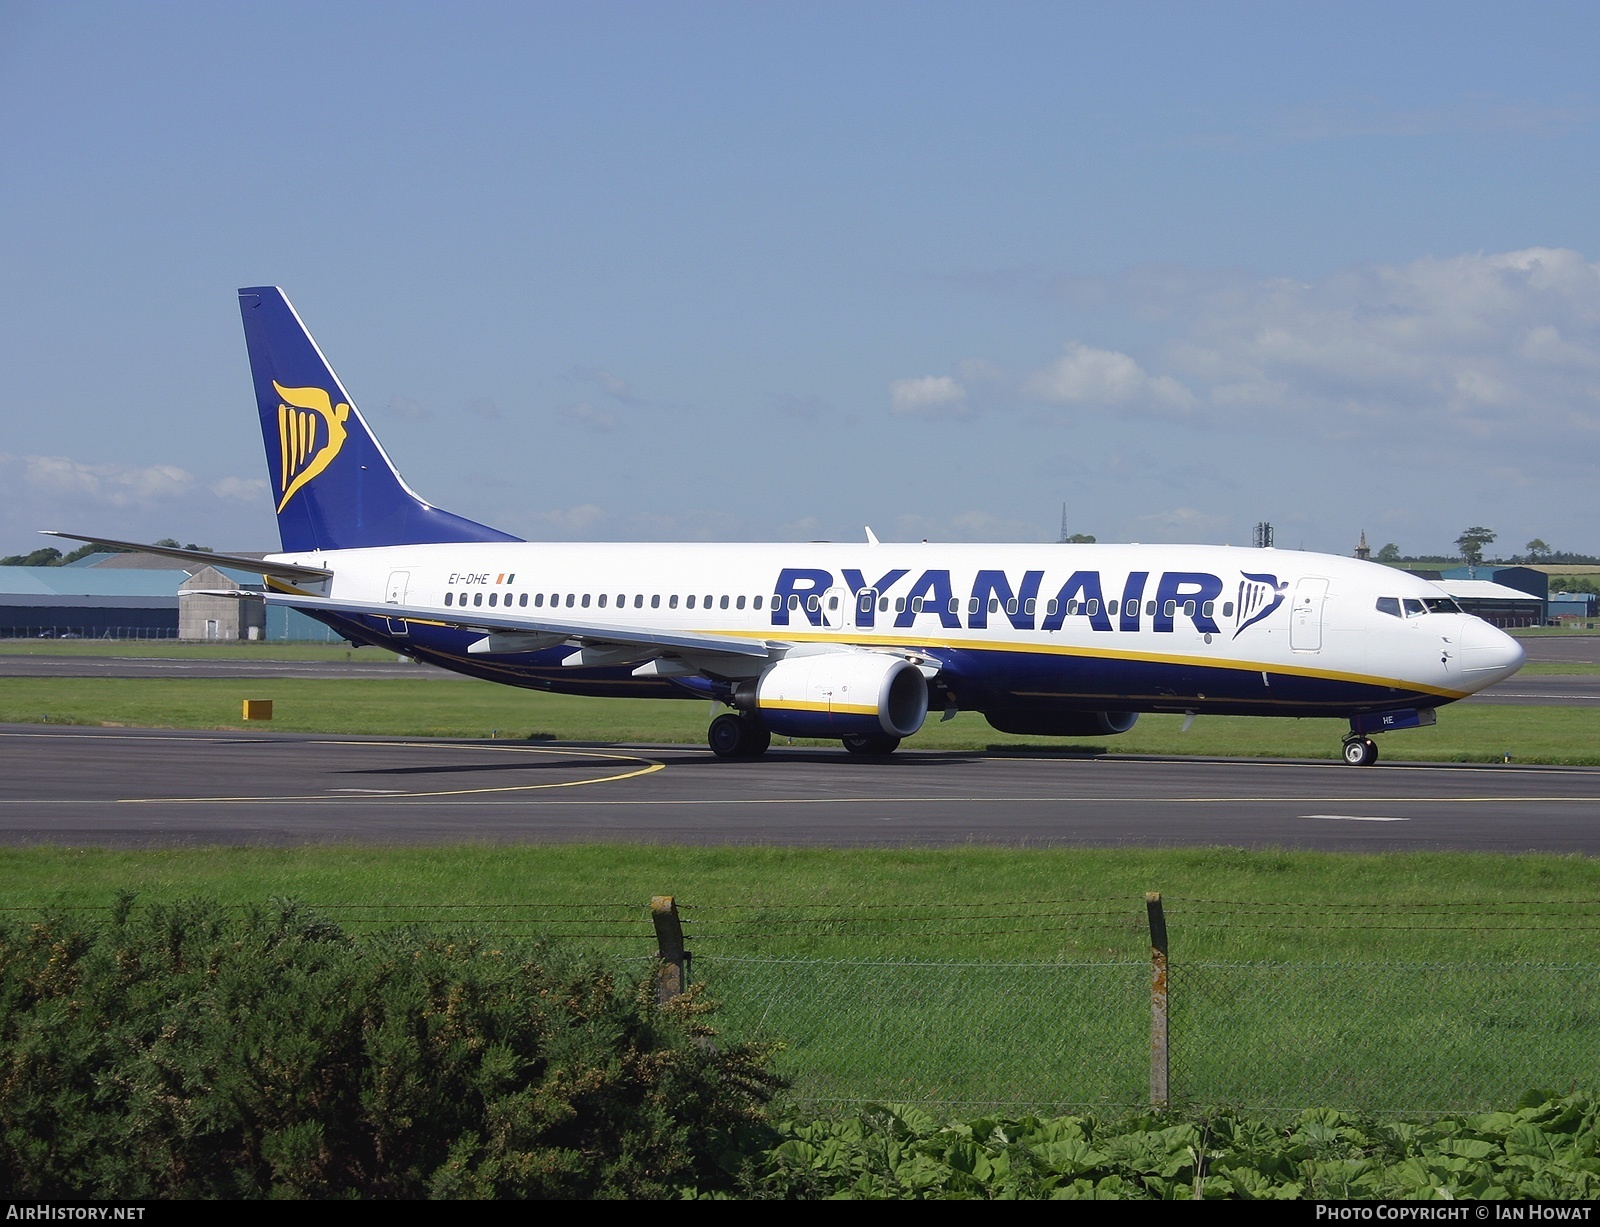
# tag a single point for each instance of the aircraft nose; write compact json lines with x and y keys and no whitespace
{"x":1488,"y":654}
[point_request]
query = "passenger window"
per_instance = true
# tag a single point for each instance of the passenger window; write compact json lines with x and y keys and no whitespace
{"x":1111,"y":607}
{"x":739,"y":604}
{"x":972,"y":605}
{"x":1188,"y":609}
{"x":1149,"y":609}
{"x":994,"y":604}
{"x":1227,"y":609}
{"x":522,"y":600}
{"x":955,"y":605}
{"x":571,"y":598}
{"x":1073,"y":607}
{"x":494,"y":598}
{"x":1052,"y":607}
{"x":688,"y":602}
{"x":833,"y":602}
{"x":655,"y":601}
{"x":1094,"y":607}
{"x":723,"y":603}
{"x":899,"y":604}
{"x":1389,"y":605}
{"x":1170,"y":608}
{"x":449,"y":598}
{"x":916,"y":604}
{"x":1414,"y":608}
{"x":1027,"y":606}
{"x":538,"y":600}
{"x":586,"y":600}
{"x":638,"y":600}
{"x":758,"y":602}
{"x":883,"y":604}
{"x":813,"y":603}
{"x":1208,"y":608}
{"x":602,"y":600}
{"x":672,"y":602}
{"x":1011,"y":606}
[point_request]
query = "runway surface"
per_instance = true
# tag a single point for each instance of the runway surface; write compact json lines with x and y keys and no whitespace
{"x":126,"y":787}
{"x":1584,"y":649}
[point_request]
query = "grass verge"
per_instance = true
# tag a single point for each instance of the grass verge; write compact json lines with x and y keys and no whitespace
{"x":414,"y":707}
{"x":985,"y":977}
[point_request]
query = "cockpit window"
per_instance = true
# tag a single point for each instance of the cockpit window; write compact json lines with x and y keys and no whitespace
{"x":1414,"y":608}
{"x":1389,"y":605}
{"x":1442,"y":604}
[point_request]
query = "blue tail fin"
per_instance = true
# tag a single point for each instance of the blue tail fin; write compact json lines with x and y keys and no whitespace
{"x":334,"y":487}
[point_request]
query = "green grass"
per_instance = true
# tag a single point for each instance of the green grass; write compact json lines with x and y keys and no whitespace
{"x":193,"y":649}
{"x":857,"y":902}
{"x":415,"y":707}
{"x":979,"y":975}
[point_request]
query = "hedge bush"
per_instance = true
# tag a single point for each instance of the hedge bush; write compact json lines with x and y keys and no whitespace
{"x":190,"y":1051}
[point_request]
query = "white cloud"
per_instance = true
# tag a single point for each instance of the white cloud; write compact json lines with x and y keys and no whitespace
{"x":592,"y":416}
{"x":406,"y":409}
{"x":241,"y":489}
{"x":1088,"y":376}
{"x":115,"y":485}
{"x":928,"y":396}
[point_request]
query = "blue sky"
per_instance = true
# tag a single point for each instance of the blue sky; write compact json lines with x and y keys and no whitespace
{"x":775,"y":271}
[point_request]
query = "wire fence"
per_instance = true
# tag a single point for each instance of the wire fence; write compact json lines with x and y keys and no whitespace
{"x":874,"y":1002}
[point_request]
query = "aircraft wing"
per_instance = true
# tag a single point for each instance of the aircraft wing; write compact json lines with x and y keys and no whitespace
{"x":554,"y":630}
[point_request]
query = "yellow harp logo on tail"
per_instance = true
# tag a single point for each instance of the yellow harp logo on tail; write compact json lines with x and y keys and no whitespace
{"x":303,"y":449}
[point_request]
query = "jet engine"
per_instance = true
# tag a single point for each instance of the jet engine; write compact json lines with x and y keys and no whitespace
{"x":838,"y":694}
{"x":1062,"y":723}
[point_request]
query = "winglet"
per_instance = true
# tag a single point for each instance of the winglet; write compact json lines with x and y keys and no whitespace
{"x":872,"y":537}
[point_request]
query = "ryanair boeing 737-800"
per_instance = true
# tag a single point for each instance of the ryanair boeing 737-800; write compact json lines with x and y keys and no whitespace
{"x":855,"y":642}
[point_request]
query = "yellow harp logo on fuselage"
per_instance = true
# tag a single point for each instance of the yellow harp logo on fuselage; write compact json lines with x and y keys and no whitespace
{"x":303,"y":449}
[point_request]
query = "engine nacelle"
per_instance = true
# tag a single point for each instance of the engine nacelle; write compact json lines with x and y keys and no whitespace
{"x":1062,"y":724}
{"x":839,"y":694}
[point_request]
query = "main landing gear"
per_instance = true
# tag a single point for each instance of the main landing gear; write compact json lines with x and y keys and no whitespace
{"x":1360,"y":751}
{"x":875,"y":747}
{"x":732,"y":736}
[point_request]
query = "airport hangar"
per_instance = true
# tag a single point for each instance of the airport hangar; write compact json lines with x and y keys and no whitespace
{"x":142,"y":596}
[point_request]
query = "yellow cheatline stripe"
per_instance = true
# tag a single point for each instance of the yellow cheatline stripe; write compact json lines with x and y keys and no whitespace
{"x":1049,"y":649}
{"x":650,"y":768}
{"x":849,"y":709}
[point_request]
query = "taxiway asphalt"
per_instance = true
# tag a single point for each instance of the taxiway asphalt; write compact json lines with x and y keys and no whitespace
{"x":148,"y":788}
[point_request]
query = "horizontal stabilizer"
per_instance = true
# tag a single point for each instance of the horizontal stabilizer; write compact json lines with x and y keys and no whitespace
{"x":283,"y":570}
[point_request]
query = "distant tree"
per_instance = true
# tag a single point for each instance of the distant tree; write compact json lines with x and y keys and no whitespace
{"x":173,"y":545}
{"x":1471,"y":543}
{"x":1389,"y":553}
{"x":1080,"y":539}
{"x":45,"y":557}
{"x":1537,"y":549}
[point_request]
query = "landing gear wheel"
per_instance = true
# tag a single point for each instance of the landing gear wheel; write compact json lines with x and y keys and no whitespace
{"x":733,"y":736}
{"x":875,"y":746}
{"x":1361,"y":751}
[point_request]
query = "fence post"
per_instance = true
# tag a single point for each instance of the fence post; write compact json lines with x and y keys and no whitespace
{"x":1158,"y":999}
{"x":672,"y":973}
